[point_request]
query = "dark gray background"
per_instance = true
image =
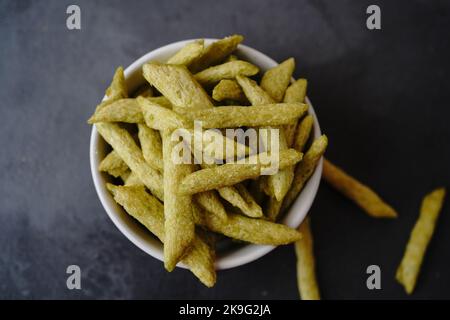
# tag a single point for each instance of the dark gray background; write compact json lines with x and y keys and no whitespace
{"x":382,"y":97}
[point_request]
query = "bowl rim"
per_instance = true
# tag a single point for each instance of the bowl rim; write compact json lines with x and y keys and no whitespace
{"x":233,"y":258}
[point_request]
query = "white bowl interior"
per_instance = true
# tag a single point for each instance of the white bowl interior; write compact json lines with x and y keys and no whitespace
{"x":141,"y":237}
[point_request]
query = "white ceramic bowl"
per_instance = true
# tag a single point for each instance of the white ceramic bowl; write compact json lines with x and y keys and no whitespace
{"x":134,"y":231}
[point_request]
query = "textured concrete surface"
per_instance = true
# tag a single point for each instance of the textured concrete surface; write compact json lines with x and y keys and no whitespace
{"x":381,"y":96}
